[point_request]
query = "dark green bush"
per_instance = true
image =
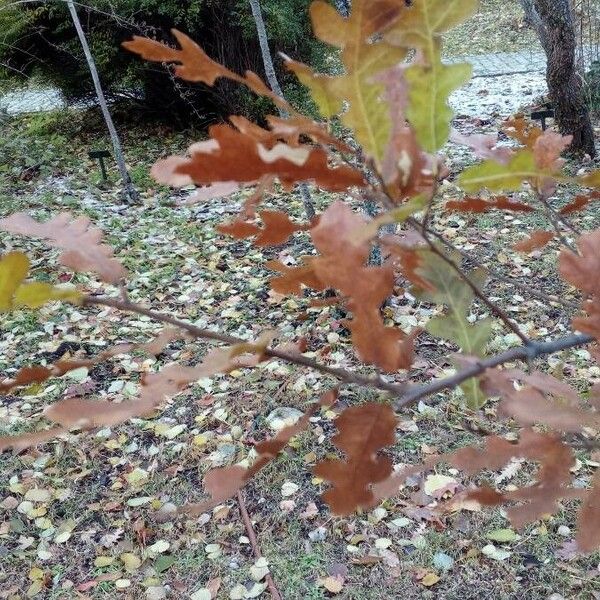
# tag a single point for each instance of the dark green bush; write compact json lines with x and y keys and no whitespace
{"x":39,"y":40}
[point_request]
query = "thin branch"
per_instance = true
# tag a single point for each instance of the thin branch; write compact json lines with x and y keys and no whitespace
{"x":407,"y":394}
{"x":298,"y":359}
{"x":529,"y":352}
{"x":557,"y":219}
{"x":254,"y":543}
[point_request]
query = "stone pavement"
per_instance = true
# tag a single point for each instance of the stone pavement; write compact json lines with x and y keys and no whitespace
{"x":504,"y":63}
{"x":507,"y":63}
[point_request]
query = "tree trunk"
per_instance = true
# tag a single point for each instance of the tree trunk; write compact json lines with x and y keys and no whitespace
{"x":553,"y":22}
{"x":343,"y":7}
{"x":274,"y":83}
{"x":129,"y":189}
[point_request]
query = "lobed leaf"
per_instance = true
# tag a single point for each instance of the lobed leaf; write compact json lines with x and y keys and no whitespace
{"x":239,"y":155}
{"x":81,"y":244}
{"x":499,"y":177}
{"x":362,"y":432}
{"x":428,"y":110}
{"x":538,"y":239}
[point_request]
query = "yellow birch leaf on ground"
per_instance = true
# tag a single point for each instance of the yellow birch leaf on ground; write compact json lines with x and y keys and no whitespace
{"x":428,"y":110}
{"x":13,"y":270}
{"x":498,"y":177}
{"x":36,"y":294}
{"x":430,"y":579}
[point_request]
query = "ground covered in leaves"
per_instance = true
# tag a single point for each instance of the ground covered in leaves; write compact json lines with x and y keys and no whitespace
{"x":91,"y":516}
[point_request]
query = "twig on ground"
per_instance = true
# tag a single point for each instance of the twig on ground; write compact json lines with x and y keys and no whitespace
{"x":254,"y":543}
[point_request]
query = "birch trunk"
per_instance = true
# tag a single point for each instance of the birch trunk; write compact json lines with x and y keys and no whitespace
{"x":130,"y":192}
{"x":274,"y":83}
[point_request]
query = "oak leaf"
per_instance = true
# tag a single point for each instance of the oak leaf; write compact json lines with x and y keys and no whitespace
{"x":278,"y":228}
{"x":363,"y":56}
{"x":538,"y":239}
{"x":525,"y":132}
{"x":362,"y":432}
{"x":542,"y":498}
{"x":478,"y":205}
{"x":81,"y":244}
{"x":421,"y":25}
{"x":484,"y":146}
{"x":588,"y":520}
{"x":428,"y":110}
{"x":541,"y":399}
{"x":583,"y":271}
{"x":579,"y":203}
{"x":231,"y":154}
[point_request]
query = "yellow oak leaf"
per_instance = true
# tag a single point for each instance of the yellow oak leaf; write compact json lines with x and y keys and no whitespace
{"x":13,"y":270}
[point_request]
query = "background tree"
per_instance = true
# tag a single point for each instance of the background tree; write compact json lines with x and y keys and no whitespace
{"x":553,"y":22}
{"x":129,"y":189}
{"x":271,"y":74}
{"x":42,"y":43}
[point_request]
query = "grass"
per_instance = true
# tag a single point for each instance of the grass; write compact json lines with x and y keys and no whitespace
{"x":179,"y":263}
{"x":498,"y":26}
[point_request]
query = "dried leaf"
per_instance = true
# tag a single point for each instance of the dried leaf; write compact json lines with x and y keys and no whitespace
{"x":82,"y":250}
{"x":237,"y":155}
{"x":478,"y":205}
{"x":278,"y":228}
{"x":583,"y":271}
{"x":485,"y":146}
{"x":588,"y":521}
{"x":579,"y":203}
{"x":362,"y":432}
{"x":538,"y":239}
{"x":523,"y":131}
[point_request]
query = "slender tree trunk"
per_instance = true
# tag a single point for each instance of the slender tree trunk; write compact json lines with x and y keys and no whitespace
{"x":129,"y":189}
{"x":553,"y":22}
{"x":274,"y":83}
{"x":343,"y":7}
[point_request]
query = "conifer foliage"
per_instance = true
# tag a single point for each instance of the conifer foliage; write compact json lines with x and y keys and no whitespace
{"x":393,"y":97}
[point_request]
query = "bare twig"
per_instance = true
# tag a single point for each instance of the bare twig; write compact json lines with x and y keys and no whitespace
{"x":254,"y":543}
{"x":407,"y":394}
{"x":529,"y":352}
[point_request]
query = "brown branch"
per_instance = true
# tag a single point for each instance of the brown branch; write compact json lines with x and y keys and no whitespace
{"x":255,"y":547}
{"x":529,"y":352}
{"x":298,"y":359}
{"x":499,"y":312}
{"x":407,"y":394}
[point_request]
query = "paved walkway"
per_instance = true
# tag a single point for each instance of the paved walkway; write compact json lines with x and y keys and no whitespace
{"x":505,"y":63}
{"x":508,"y":63}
